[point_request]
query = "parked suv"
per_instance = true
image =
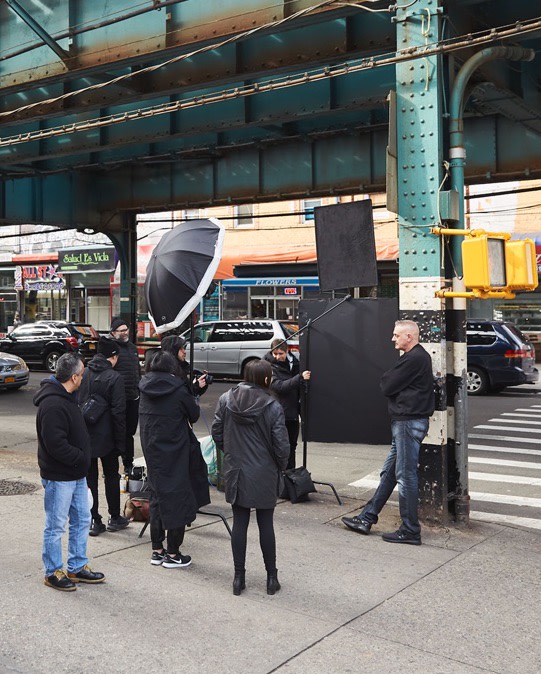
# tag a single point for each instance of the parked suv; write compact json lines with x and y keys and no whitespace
{"x":43,"y":342}
{"x":224,"y":347}
{"x":499,"y":355}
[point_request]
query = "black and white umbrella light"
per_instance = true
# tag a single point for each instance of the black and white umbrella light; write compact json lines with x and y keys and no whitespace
{"x":181,"y":270}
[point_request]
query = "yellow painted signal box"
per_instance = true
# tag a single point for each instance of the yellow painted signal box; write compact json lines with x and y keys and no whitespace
{"x":493,"y":265}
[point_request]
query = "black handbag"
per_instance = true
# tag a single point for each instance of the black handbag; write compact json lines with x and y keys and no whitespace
{"x":297,"y":484}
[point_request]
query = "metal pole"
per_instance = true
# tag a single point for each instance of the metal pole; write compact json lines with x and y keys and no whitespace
{"x":457,"y":162}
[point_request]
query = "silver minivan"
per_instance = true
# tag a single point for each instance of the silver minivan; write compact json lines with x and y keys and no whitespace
{"x":223,"y":348}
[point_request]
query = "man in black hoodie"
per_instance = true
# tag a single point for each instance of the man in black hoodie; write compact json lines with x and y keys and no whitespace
{"x":409,"y":386}
{"x":107,"y":433}
{"x":64,"y":457}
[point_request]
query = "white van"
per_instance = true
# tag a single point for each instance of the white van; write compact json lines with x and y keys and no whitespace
{"x":224,"y":347}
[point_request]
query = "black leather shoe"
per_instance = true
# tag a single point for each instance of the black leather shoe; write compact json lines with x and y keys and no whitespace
{"x":401,"y":537}
{"x":357,"y":524}
{"x":59,"y":581}
{"x":86,"y":575}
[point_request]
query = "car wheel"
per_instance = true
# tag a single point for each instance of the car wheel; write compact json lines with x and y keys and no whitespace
{"x":243,"y":373}
{"x":51,"y":360}
{"x":477,"y":381}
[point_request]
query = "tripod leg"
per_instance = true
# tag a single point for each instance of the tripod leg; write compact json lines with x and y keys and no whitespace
{"x":206,"y":512}
{"x":332,"y":487}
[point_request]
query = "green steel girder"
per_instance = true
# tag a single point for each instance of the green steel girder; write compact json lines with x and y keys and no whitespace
{"x":331,"y":135}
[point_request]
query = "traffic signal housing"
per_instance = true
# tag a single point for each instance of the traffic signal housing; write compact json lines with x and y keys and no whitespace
{"x":493,"y":265}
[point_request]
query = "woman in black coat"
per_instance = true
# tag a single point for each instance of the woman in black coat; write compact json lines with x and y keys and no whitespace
{"x":167,"y":410}
{"x":249,"y":428}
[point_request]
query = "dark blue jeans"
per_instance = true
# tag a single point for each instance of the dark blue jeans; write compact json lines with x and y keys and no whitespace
{"x":400,"y":468}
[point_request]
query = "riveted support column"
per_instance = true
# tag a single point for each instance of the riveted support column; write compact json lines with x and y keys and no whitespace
{"x":126,"y":246}
{"x":420,"y":171}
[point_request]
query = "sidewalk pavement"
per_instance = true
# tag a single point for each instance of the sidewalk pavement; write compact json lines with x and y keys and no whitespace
{"x":466,"y":601}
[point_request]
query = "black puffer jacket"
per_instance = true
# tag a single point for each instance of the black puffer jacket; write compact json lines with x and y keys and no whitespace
{"x":128,"y":367}
{"x":249,"y":426}
{"x":109,"y":433}
{"x":286,"y":384}
{"x":63,"y":441}
{"x":175,"y":472}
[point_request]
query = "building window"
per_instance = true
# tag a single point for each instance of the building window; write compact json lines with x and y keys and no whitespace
{"x":308,"y":208}
{"x":244,"y":215}
{"x":192,"y":213}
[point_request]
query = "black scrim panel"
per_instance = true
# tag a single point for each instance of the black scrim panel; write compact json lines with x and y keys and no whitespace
{"x":347,"y":351}
{"x":346,"y":249}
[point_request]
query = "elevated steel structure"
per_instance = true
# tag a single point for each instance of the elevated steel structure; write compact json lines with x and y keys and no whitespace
{"x":166,"y":103}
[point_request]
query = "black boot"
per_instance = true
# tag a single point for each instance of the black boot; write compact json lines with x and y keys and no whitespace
{"x":239,"y":582}
{"x":272,"y":582}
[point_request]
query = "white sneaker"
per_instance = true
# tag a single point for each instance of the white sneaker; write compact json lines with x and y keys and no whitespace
{"x":177,"y":561}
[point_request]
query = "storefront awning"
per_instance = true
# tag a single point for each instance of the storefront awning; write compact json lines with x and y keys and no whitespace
{"x":268,"y":254}
{"x":273,"y":254}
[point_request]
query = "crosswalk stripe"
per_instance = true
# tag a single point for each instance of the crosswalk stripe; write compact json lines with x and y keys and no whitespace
{"x":505,"y":450}
{"x":519,"y":414}
{"x":514,"y":421}
{"x":514,"y":479}
{"x":505,"y":438}
{"x":504,"y":498}
{"x":488,"y":427}
{"x":370,"y":482}
{"x":529,"y":465}
{"x":497,"y":518}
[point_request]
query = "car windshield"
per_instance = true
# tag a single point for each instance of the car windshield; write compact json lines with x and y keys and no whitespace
{"x":85,"y":331}
{"x":289,"y":328}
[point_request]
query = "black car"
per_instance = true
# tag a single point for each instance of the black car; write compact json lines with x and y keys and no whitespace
{"x":42,"y":343}
{"x":499,"y":355}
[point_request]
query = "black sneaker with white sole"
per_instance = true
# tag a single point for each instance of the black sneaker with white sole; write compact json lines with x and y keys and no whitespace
{"x":177,"y":561}
{"x":157,"y":558}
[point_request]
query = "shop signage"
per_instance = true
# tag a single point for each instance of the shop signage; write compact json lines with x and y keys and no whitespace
{"x":538,"y":257}
{"x":39,"y":277}
{"x":88,"y":260}
{"x":301,"y":281}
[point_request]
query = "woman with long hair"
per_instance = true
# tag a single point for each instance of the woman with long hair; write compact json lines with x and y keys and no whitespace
{"x":249,"y":428}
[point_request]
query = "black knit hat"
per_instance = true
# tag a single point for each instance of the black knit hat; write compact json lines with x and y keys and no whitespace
{"x":108,"y":347}
{"x":173,"y":343}
{"x":116,"y":323}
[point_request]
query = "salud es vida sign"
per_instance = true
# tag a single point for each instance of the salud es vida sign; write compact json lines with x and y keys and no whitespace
{"x":88,"y":260}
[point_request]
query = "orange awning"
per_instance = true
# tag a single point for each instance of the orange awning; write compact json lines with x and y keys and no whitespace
{"x":385,"y":250}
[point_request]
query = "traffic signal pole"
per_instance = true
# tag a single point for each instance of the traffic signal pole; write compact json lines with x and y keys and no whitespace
{"x":457,"y":162}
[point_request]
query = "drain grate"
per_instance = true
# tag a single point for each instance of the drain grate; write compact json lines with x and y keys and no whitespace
{"x":16,"y":487}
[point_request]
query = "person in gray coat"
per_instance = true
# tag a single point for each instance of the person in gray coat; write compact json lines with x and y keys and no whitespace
{"x":249,"y":428}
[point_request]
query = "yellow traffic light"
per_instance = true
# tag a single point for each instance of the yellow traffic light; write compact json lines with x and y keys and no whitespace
{"x":484,"y":262}
{"x":492,"y":264}
{"x":521,"y":265}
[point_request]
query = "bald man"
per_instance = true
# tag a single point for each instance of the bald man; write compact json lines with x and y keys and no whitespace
{"x":409,"y":387}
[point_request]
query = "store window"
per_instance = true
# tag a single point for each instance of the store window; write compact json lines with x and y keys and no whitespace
{"x":244,"y":215}
{"x":308,"y":208}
